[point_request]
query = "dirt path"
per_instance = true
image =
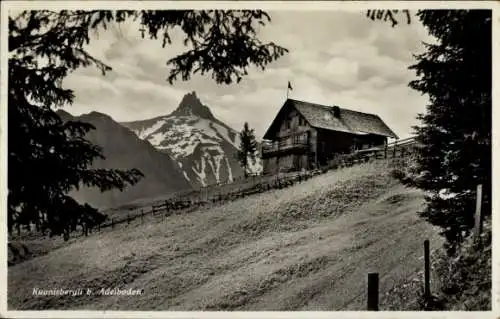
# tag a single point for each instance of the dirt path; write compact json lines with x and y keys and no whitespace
{"x":308,"y":247}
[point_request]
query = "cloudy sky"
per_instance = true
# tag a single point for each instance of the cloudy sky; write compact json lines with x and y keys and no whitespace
{"x":335,"y":58}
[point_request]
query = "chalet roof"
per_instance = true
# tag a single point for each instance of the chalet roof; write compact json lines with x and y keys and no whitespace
{"x":321,"y":116}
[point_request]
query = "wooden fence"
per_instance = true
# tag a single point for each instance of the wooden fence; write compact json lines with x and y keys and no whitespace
{"x":182,"y":202}
{"x":373,"y":278}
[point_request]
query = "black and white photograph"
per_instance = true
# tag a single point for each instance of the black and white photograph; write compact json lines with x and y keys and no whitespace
{"x":246,"y":156}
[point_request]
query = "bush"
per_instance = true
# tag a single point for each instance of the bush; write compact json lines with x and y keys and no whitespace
{"x":398,"y":174}
{"x":465,"y":278}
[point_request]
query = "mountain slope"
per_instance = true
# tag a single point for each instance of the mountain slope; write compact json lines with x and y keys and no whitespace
{"x":308,"y":247}
{"x":204,"y":148}
{"x":124,"y":150}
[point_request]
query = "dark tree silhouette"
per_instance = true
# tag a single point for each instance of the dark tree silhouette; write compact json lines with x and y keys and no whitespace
{"x":48,"y":157}
{"x":248,"y":147}
{"x":455,"y":131}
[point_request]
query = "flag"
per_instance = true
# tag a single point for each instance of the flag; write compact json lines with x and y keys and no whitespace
{"x":290,"y":86}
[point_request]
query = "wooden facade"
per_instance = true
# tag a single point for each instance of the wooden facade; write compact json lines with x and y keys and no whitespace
{"x":293,"y":143}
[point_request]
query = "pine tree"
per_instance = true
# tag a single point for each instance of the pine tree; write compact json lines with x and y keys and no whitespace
{"x":47,"y":158}
{"x":248,"y":147}
{"x":455,"y":134}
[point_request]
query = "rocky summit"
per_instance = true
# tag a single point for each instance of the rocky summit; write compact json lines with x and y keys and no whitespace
{"x":203,"y":147}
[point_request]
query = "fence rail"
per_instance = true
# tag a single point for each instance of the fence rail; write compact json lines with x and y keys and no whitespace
{"x":182,"y":202}
{"x":283,"y":146}
{"x":373,"y":283}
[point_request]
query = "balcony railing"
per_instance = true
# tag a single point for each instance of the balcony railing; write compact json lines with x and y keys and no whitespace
{"x":284,"y":146}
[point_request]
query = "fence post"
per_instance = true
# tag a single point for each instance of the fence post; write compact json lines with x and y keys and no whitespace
{"x":427,"y":270}
{"x":372,"y":292}
{"x":478,"y":218}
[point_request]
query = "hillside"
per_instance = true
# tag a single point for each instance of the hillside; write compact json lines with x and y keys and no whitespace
{"x":123,"y":150}
{"x":203,"y":147}
{"x":307,"y":247}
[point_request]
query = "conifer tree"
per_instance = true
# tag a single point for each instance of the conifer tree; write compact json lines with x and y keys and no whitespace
{"x":455,"y":131}
{"x":47,"y":158}
{"x":248,"y":147}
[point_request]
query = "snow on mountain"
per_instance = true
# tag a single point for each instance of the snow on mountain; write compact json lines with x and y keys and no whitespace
{"x":124,"y":150}
{"x":204,"y":148}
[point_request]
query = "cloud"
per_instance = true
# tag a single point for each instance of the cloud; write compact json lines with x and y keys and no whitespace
{"x":338,"y":58}
{"x":90,"y":83}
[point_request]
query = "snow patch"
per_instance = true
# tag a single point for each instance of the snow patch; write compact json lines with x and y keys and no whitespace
{"x":145,"y":132}
{"x":446,"y":194}
{"x":199,"y":169}
{"x":181,"y":136}
{"x":218,"y":161}
{"x":186,"y":175}
{"x":225,"y":133}
{"x":157,"y":139}
{"x":215,"y":164}
{"x":229,"y":171}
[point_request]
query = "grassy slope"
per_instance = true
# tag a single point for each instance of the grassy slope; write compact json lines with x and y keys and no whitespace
{"x":308,"y":247}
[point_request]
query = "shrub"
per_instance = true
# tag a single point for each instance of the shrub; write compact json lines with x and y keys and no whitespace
{"x":465,"y":277}
{"x":398,"y":174}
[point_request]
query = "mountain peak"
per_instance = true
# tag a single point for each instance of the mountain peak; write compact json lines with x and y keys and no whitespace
{"x":94,"y":115}
{"x":191,"y":105}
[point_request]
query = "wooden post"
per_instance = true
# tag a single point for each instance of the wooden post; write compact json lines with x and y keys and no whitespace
{"x":385,"y":151}
{"x":128,"y":218}
{"x":372,"y":292}
{"x":142,"y":215}
{"x":478,"y":218}
{"x":427,"y":270}
{"x":112,"y":223}
{"x":99,"y":227}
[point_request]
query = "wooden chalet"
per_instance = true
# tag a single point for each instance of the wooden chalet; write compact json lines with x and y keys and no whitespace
{"x":306,"y":135}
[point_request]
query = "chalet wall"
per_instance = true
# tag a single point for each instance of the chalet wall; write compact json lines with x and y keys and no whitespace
{"x":313,"y":145}
{"x":269,"y":165}
{"x":303,"y":161}
{"x":292,"y":123}
{"x":330,"y":143}
{"x":291,"y":128}
{"x":287,"y":162}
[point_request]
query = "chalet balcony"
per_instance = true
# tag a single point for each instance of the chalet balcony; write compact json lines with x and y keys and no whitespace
{"x":284,"y":147}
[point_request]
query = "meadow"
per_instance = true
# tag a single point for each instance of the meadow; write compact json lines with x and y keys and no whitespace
{"x":306,"y":247}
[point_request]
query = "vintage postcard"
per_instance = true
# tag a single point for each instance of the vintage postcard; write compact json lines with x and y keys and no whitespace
{"x":247,"y":159}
